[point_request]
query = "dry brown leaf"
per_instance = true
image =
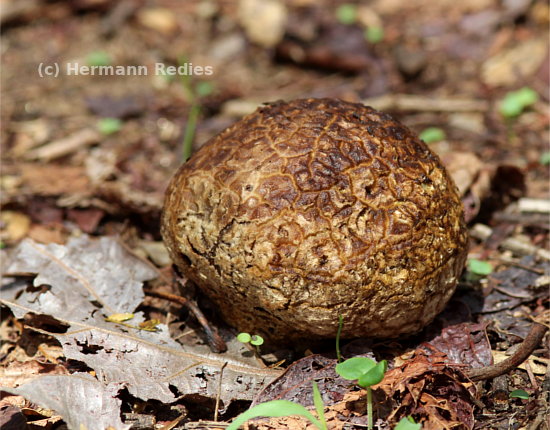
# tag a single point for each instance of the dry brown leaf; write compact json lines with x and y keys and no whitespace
{"x":14,"y":226}
{"x":513,"y":65}
{"x":55,"y":180}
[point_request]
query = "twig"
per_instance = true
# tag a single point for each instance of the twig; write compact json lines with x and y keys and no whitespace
{"x":64,"y":146}
{"x":510,"y":262}
{"x":529,"y":344}
{"x":532,"y":378}
{"x":482,"y":232}
{"x":412,"y":102}
{"x":212,"y":337}
{"x":218,"y":395}
{"x":534,"y":205}
{"x":536,"y":219}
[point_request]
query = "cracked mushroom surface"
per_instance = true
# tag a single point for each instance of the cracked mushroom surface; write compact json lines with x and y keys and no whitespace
{"x":314,"y":208}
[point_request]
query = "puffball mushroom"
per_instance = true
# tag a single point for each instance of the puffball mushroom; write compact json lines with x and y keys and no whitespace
{"x":310,"y":209}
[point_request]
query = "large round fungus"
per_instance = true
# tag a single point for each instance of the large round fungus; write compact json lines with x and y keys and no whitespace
{"x":311,"y":209}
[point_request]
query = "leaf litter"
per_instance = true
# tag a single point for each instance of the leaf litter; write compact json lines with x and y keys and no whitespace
{"x":81,"y":285}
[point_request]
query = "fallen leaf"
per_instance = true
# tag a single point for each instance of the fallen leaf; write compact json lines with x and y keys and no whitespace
{"x":429,"y":389}
{"x":14,"y":226}
{"x":465,"y":343}
{"x":82,"y":400}
{"x":61,"y":179}
{"x":295,"y":384}
{"x":80,"y":285}
{"x":263,"y":20}
{"x":18,"y":373}
{"x":159,"y":19}
{"x":515,"y":64}
{"x":84,"y":269}
{"x":86,"y":219}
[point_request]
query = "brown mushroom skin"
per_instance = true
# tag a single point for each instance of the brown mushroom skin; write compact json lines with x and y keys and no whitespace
{"x":310,"y":209}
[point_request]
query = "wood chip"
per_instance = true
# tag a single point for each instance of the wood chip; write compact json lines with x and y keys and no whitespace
{"x":411,"y":102}
{"x":65,"y":146}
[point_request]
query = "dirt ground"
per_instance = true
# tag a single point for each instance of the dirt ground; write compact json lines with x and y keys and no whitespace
{"x":99,"y":100}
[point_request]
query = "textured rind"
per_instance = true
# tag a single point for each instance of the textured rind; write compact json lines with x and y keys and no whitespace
{"x":306,"y":210}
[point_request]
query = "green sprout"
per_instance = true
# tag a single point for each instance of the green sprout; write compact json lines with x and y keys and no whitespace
{"x":519,"y":394}
{"x":374,"y":34}
{"x":338,"y":333}
{"x":255,"y":340}
{"x":545,"y":158}
{"x":98,"y":58}
{"x":319,"y":405}
{"x":284,"y":408}
{"x":408,"y":423}
{"x":479,"y":267}
{"x":367,"y":373}
{"x":194,"y":92}
{"x":108,"y":126}
{"x":432,"y":135}
{"x":515,"y":102}
{"x":346,"y":14}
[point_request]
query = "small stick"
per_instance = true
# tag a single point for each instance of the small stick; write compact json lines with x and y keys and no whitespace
{"x":531,"y":376}
{"x":482,"y":232}
{"x":219,"y":394}
{"x":213,"y":338}
{"x":529,"y":344}
{"x":413,"y":102}
{"x":510,"y":262}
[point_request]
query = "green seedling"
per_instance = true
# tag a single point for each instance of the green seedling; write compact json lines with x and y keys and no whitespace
{"x":432,"y":135}
{"x":408,"y":423}
{"x":479,"y":267}
{"x":346,"y":14}
{"x":338,"y":334}
{"x":374,"y":34}
{"x":108,"y":126}
{"x":367,"y":373}
{"x":194,"y":92}
{"x":545,"y":158}
{"x":98,"y":58}
{"x":255,"y":340}
{"x":284,"y":408}
{"x":319,"y":405}
{"x":519,"y":394}
{"x":515,"y":102}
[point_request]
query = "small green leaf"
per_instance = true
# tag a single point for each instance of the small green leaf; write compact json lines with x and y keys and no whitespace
{"x":480,"y":268}
{"x":432,"y":134}
{"x":354,"y":367}
{"x":108,"y":126}
{"x":374,"y":34}
{"x":373,"y":376}
{"x":519,"y":394}
{"x":120,"y":317}
{"x":98,"y":58}
{"x":204,"y":88}
{"x":408,"y":423}
{"x":545,"y":158}
{"x":527,"y":96}
{"x":256,"y":340}
{"x":319,"y":405}
{"x":515,"y":102}
{"x":274,"y":408}
{"x":347,"y":14}
{"x":149,"y":325}
{"x":244,"y":337}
